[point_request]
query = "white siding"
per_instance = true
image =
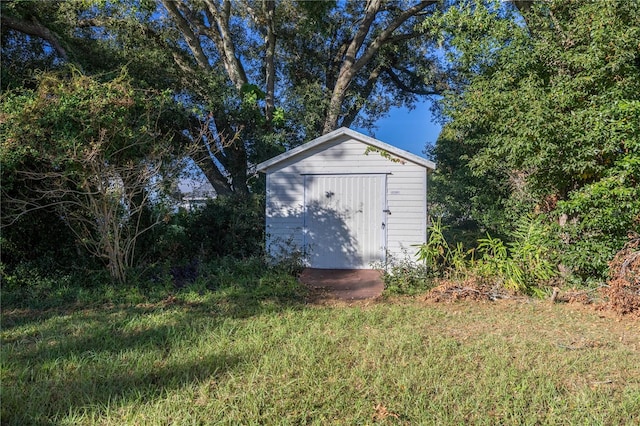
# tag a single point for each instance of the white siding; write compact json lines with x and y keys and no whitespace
{"x":284,"y":212}
{"x":406,"y":192}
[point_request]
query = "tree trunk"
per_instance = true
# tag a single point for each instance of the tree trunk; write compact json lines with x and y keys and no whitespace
{"x":36,"y":29}
{"x":203,"y":159}
{"x":269,"y":7}
{"x":352,"y":63}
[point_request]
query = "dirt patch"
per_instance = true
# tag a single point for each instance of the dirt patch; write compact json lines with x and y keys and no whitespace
{"x":343,"y":284}
{"x":469,"y":289}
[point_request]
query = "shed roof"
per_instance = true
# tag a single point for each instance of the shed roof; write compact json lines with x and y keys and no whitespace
{"x":324,"y":139}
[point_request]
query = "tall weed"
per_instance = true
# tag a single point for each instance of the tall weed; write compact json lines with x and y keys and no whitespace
{"x":531,"y":249}
{"x":523,"y":265}
{"x":435,"y":253}
{"x":405,"y":276}
{"x":496,"y":264}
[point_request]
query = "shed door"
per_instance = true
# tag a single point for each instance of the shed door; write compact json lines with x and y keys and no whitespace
{"x":344,"y":220}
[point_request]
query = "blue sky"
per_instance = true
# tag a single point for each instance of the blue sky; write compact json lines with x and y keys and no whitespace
{"x":408,"y":130}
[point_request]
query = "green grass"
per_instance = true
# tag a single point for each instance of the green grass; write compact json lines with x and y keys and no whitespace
{"x":215,"y":358}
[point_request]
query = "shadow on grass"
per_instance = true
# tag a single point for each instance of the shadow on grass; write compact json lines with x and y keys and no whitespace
{"x":235,"y":301}
{"x":46,"y":400}
{"x":77,"y":358}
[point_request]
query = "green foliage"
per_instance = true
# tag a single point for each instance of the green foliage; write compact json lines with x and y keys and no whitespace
{"x":434,"y":259}
{"x":441,"y":258}
{"x":603,"y":212}
{"x":383,"y":154}
{"x":29,"y":285}
{"x":435,"y":253}
{"x":405,"y":276}
{"x":92,"y":154}
{"x":531,"y":248}
{"x":230,"y":226}
{"x":468,"y":204}
{"x":252,"y":93}
{"x":542,"y":117}
{"x":495,"y":264}
{"x":524,"y":265}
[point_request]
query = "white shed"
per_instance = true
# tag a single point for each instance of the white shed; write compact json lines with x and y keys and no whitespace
{"x":346,"y":200}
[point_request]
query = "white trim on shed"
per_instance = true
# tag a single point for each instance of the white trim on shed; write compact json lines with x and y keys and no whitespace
{"x":343,"y":206}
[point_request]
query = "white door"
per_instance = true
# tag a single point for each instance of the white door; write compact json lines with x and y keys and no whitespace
{"x":344,"y":220}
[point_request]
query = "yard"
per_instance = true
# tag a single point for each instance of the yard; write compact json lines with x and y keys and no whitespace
{"x":198,"y":358}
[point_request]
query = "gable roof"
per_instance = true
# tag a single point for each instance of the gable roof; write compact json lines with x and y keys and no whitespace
{"x":262,"y":167}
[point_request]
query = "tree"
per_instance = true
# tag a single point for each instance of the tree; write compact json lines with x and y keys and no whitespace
{"x":353,"y":44}
{"x":96,"y":154}
{"x":548,"y":102}
{"x":262,"y":75}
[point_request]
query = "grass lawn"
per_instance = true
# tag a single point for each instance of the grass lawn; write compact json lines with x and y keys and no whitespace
{"x":200,"y":359}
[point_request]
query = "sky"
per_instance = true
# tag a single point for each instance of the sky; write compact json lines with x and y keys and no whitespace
{"x":408,"y":130}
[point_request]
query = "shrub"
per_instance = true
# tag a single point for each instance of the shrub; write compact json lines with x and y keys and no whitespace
{"x":405,"y":276}
{"x":523,"y":265}
{"x":226,"y":226}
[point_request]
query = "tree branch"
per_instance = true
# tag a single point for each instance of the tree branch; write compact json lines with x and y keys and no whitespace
{"x":384,"y":36}
{"x":221,"y":36}
{"x":403,"y":86}
{"x":36,"y":29}
{"x":351,"y":66}
{"x":189,"y":36}
{"x":352,"y":113}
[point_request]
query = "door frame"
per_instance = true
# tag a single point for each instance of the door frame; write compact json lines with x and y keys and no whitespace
{"x":384,"y":207}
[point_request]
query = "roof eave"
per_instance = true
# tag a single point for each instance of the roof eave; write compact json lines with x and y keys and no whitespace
{"x":265,"y":165}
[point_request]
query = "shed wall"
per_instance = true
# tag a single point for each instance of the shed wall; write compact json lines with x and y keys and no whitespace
{"x":406,"y":194}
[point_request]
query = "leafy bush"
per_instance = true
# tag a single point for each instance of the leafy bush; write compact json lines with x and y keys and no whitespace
{"x":538,"y":125}
{"x":90,"y":152}
{"x":226,"y":226}
{"x":405,"y":276}
{"x":286,"y":255}
{"x":601,"y":215}
{"x":526,"y":264}
{"x":434,"y":259}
